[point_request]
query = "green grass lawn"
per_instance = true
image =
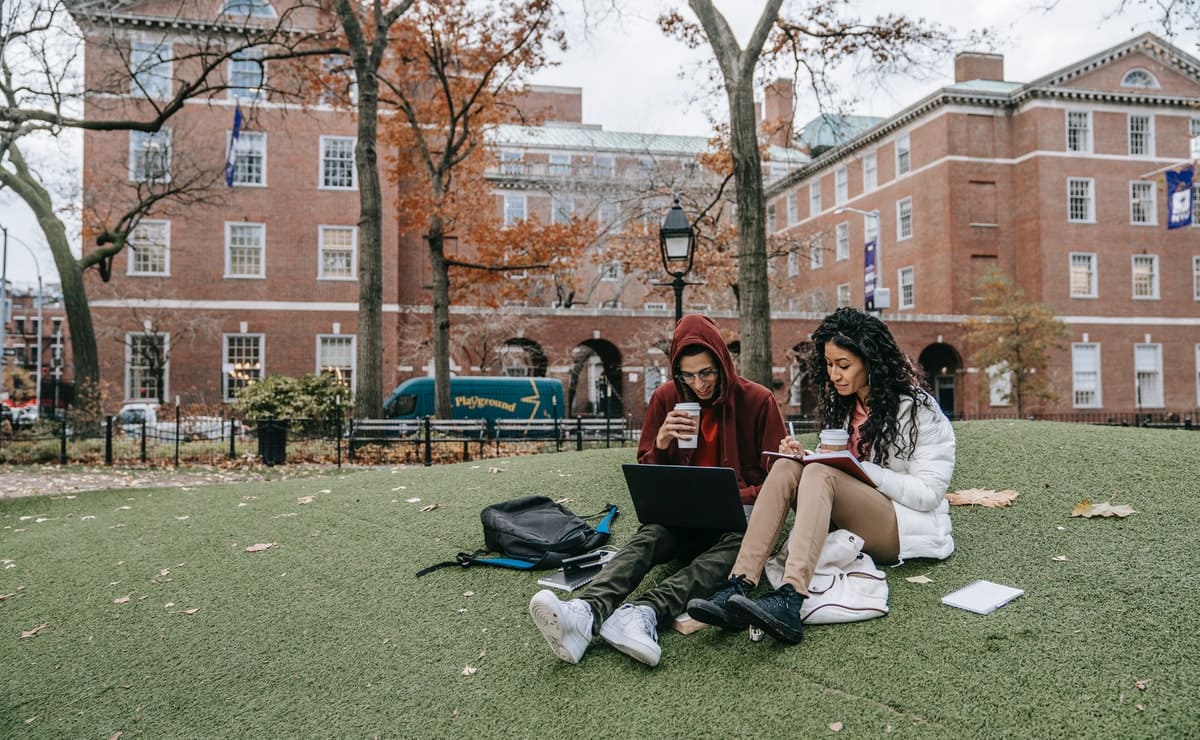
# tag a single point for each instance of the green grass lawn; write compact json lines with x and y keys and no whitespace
{"x":328,"y":633}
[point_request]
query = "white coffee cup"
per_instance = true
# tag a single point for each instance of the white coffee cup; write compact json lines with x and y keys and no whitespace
{"x":833,"y":440}
{"x":692,"y":409}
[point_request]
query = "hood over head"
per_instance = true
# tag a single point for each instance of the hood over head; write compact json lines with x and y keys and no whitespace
{"x":695,"y":329}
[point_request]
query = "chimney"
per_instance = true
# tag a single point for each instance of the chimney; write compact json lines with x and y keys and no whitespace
{"x":777,"y":112}
{"x":977,"y":65}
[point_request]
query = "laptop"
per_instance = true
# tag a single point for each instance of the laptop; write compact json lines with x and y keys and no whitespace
{"x":686,"y":496}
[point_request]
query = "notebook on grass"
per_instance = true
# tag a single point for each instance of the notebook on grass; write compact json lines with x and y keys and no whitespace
{"x":982,"y":597}
{"x":686,"y":496}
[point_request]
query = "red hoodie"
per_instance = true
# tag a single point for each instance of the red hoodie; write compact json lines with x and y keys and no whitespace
{"x":748,"y":420}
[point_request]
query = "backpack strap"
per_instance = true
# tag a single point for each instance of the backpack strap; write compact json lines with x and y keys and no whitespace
{"x":605,"y":525}
{"x":467,"y":559}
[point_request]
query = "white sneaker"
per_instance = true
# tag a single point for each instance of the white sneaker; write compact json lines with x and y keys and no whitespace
{"x":566,"y":625}
{"x":633,"y":629}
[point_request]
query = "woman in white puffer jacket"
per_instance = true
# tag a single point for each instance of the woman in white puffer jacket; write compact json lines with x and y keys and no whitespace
{"x":904,"y":442}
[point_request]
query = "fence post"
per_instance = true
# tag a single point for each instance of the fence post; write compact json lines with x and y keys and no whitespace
{"x":350,"y":440}
{"x":338,"y":431}
{"x":176,"y":431}
{"x":578,"y":433}
{"x":143,"y":444}
{"x":62,"y":439}
{"x":428,"y":442}
{"x":232,"y":437}
{"x":108,"y":460}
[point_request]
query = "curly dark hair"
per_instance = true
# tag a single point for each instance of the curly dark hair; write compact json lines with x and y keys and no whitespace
{"x":890,"y":375}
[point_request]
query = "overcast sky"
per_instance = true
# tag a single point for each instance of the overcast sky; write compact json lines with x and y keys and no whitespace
{"x":629,"y":72}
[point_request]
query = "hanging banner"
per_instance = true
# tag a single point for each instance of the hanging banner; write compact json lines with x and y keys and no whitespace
{"x":869,"y":274}
{"x":1179,"y":197}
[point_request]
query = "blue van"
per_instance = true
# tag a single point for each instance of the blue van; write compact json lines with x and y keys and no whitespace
{"x":480,"y":397}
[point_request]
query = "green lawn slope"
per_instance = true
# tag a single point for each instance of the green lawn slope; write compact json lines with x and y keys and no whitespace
{"x":328,"y":634}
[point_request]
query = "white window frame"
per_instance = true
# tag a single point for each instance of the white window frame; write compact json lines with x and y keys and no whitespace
{"x":1143,"y":209}
{"x":907,"y":287}
{"x":1151,"y":82}
{"x":558,"y":164}
{"x":562,"y":209}
{"x":999,"y":385}
{"x":611,"y":272}
{"x":1196,"y":204}
{"x":247,"y":373}
{"x":1091,"y":352}
{"x":604,"y":165}
{"x":322,"y":249}
{"x":321,"y":339}
{"x":841,"y":185}
{"x":793,"y":264}
{"x":1074,"y":262}
{"x":772,"y":222}
{"x":842,"y":251}
{"x":1194,"y":145}
{"x":163,"y":246}
{"x":793,"y":207}
{"x":262,"y":251}
{"x":1198,"y":374}
{"x":1196,"y":278}
{"x":654,"y":376}
{"x":1084,"y":139}
{"x":1088,"y":200}
{"x":904,"y":221}
{"x":512,"y":162}
{"x":1148,"y":376}
{"x":870,"y":171}
{"x":511,"y":217}
{"x":1152,"y":261}
{"x":247,"y":75}
{"x":816,"y":256}
{"x":139,"y":143}
{"x":129,"y":369}
{"x":654,"y":306}
{"x":249,"y":144}
{"x":903,"y":155}
{"x":151,"y":69}
{"x":324,"y":163}
{"x":1147,"y":142}
{"x":843,"y":295}
{"x":814,"y":198}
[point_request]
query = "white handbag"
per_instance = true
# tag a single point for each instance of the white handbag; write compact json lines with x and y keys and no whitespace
{"x":845,"y":587}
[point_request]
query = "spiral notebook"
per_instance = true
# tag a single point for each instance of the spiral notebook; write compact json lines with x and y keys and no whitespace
{"x":982,"y":597}
{"x":578,"y":571}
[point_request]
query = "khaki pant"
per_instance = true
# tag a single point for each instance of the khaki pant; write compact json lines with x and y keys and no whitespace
{"x":824,"y":499}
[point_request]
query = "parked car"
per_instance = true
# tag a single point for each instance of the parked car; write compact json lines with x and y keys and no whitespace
{"x":133,"y":415}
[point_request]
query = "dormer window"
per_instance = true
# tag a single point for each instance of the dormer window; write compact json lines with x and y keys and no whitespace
{"x":254,"y":8}
{"x":1139,"y":78}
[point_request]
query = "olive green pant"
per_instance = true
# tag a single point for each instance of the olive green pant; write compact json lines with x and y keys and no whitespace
{"x":709,"y":554}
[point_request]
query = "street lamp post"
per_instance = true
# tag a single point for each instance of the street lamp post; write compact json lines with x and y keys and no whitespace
{"x":677,"y":242}
{"x":876,"y":297}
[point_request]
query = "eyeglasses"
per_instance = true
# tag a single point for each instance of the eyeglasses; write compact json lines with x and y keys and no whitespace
{"x":706,"y":374}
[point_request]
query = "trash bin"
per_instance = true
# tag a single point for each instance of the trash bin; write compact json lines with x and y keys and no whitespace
{"x":272,"y":441}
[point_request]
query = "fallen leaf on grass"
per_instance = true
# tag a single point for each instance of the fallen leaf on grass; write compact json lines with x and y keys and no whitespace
{"x":919,"y":579}
{"x":495,"y":470}
{"x":87,"y":517}
{"x":189,"y":612}
{"x":35,"y":630}
{"x":469,"y":671}
{"x":124,"y":508}
{"x":468,"y":594}
{"x":982,"y":497}
{"x":1143,"y":684}
{"x":564,"y":501}
{"x":14,"y":593}
{"x":183,"y":518}
{"x":412,"y":500}
{"x":121,"y":600}
{"x":262,"y":546}
{"x":304,"y":500}
{"x":835,"y":726}
{"x":1059,"y":558}
{"x":430,"y":507}
{"x":1088,"y":510}
{"x":115,"y":736}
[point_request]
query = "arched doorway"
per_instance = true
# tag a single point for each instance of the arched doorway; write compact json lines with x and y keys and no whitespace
{"x":940,"y":363}
{"x":595,"y":387}
{"x":521,"y":357}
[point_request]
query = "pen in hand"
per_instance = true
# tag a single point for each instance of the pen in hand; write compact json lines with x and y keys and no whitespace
{"x":791,"y":430}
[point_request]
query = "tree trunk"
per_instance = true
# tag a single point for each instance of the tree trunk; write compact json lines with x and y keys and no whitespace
{"x":737,"y":67}
{"x":84,"y":358}
{"x":441,"y":319}
{"x":368,"y":384}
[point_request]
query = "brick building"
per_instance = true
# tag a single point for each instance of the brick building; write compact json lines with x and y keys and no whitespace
{"x":1058,"y":183}
{"x":262,"y":279}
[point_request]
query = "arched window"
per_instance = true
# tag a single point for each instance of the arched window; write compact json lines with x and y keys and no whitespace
{"x":1139,"y":78}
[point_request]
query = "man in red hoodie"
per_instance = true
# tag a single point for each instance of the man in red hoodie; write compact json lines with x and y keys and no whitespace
{"x":738,"y":420}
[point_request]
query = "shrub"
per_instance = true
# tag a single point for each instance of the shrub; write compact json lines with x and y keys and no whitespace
{"x":311,"y":403}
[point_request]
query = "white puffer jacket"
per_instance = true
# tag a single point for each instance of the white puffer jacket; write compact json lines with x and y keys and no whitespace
{"x":917,"y":485}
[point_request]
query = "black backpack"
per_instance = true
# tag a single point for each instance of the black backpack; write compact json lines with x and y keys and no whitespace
{"x":534,"y":533}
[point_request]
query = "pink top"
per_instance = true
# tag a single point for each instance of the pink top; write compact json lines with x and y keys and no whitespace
{"x":857,"y":418}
